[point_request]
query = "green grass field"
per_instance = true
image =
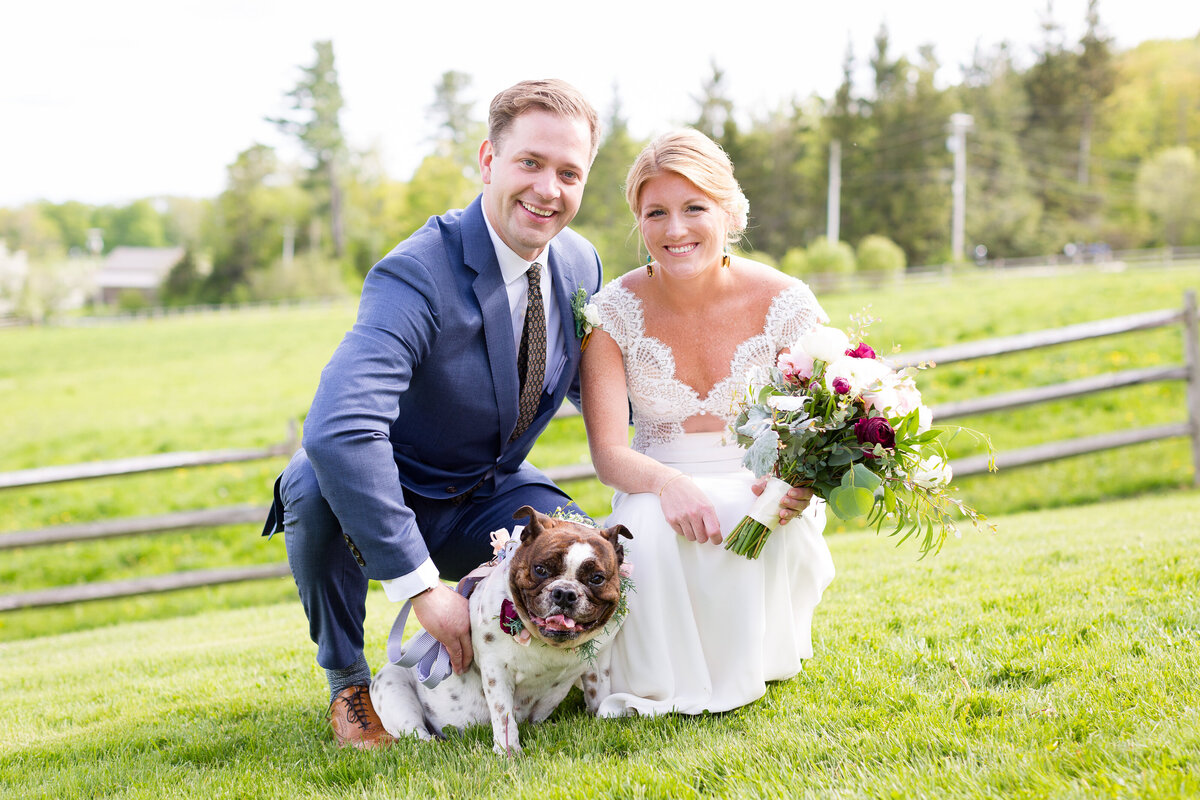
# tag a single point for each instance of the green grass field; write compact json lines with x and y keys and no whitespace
{"x":235,"y":379}
{"x":1056,"y":659}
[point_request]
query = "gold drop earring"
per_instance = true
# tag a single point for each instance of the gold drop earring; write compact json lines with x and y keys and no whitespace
{"x":725,"y":259}
{"x":649,"y":266}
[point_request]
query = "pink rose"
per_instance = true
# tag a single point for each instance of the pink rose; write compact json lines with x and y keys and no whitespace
{"x":862,"y":351}
{"x":841,"y":385}
{"x":796,"y":364}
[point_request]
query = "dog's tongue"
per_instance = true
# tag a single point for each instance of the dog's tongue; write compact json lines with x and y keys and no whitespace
{"x":559,"y":622}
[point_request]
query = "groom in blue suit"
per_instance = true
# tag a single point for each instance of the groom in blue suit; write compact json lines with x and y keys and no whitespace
{"x":415,"y":444}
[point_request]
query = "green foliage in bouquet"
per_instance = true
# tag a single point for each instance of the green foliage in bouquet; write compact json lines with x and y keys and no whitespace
{"x":842,"y":422}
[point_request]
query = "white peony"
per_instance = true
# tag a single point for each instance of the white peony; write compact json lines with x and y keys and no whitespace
{"x":860,"y":373}
{"x":824,"y":343}
{"x":895,"y":395}
{"x":932,"y":473}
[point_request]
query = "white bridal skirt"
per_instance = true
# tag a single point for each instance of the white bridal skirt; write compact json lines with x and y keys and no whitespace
{"x":707,"y":628}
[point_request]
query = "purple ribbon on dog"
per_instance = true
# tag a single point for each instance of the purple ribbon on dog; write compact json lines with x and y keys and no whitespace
{"x":424,"y":653}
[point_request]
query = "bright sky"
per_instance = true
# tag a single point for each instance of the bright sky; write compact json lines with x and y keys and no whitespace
{"x":111,"y":101}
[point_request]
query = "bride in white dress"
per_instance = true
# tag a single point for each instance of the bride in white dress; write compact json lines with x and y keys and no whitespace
{"x":706,"y":628}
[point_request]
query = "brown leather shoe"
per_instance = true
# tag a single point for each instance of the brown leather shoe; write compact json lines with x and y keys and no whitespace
{"x":354,"y":721}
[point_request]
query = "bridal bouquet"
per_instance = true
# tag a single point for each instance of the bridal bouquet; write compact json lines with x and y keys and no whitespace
{"x":833,"y":416}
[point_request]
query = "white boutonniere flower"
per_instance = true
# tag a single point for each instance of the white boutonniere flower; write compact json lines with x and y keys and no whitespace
{"x":587,"y":316}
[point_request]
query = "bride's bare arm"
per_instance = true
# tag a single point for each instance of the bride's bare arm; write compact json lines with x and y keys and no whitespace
{"x":606,"y":416}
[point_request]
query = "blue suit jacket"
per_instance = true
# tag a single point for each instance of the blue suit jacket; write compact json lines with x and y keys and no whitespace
{"x":422,"y":392}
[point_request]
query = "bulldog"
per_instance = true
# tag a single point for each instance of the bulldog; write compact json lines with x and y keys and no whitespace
{"x":539,"y":618}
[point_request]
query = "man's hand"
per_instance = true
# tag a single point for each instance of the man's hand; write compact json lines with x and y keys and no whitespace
{"x":446,"y":616}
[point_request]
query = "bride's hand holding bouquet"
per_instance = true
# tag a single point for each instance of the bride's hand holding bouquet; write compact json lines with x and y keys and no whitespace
{"x":834,"y":417}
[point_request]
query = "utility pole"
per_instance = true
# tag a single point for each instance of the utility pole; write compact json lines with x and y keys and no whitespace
{"x":833,"y":218}
{"x":959,"y":125}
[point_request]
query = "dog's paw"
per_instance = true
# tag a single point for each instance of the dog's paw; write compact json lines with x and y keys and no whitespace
{"x":511,"y":750}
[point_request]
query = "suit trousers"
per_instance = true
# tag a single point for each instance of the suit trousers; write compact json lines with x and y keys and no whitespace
{"x":329,"y":579}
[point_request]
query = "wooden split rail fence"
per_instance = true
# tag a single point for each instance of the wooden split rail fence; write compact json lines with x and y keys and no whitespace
{"x":1189,"y":372}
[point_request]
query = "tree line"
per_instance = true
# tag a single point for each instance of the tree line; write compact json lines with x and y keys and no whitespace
{"x":1088,"y":146}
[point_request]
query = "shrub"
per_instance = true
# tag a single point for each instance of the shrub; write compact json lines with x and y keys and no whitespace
{"x":795,"y":262}
{"x":831,"y":257}
{"x":131,"y":301}
{"x":880,"y":254}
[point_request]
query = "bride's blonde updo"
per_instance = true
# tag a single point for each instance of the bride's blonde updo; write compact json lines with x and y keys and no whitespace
{"x":691,"y":155}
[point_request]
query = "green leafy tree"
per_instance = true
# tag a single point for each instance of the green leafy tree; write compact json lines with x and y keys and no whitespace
{"x":604,"y":216}
{"x":905,"y":192}
{"x":183,"y":282}
{"x":1003,"y":210}
{"x":316,"y":123}
{"x":1168,"y":188}
{"x":780,"y":165}
{"x":30,"y":230}
{"x":457,"y":133}
{"x":74,"y":220}
{"x":716,"y":108}
{"x":376,"y":213}
{"x":249,"y":223}
{"x":138,"y":224}
{"x":1050,"y":141}
{"x":438,"y":184}
{"x":1155,"y":105}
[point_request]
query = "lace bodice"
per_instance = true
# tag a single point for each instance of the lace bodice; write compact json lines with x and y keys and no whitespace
{"x":661,"y":402}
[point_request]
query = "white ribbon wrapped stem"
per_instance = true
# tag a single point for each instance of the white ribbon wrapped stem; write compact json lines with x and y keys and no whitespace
{"x":766,"y":507}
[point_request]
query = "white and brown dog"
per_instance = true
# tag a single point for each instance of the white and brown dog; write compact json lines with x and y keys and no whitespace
{"x":563,"y":583}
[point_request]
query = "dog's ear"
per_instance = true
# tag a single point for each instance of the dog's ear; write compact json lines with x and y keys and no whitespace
{"x":613,"y":535}
{"x":534,"y":526}
{"x":617,"y":530}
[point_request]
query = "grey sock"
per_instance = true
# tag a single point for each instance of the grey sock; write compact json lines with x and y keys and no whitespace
{"x":357,"y":674}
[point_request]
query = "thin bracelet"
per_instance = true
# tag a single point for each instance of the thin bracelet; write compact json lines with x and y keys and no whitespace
{"x":664,"y":486}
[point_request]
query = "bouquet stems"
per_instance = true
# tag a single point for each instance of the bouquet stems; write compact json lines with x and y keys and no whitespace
{"x":748,"y":538}
{"x":750,"y":535}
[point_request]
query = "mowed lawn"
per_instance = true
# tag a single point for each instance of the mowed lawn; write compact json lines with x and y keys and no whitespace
{"x":1056,"y":658}
{"x":236,"y":379}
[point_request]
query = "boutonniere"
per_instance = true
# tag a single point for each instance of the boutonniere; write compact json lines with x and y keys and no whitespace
{"x":587,"y":316}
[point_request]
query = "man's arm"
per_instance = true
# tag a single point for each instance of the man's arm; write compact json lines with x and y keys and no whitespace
{"x":347,"y":431}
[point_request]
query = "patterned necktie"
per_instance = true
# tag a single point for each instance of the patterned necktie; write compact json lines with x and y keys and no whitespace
{"x":531,"y":361}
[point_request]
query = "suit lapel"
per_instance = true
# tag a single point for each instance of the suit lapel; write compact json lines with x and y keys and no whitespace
{"x":480,"y":256}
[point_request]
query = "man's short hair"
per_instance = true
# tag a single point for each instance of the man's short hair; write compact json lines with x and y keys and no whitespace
{"x":553,"y":95}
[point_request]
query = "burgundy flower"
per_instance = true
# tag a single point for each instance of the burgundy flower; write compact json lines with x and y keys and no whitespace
{"x":841,"y":385}
{"x":862,"y":351}
{"x":509,"y":620}
{"x":874,"y":430}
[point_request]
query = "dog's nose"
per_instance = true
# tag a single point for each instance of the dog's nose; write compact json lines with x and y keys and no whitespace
{"x":563,"y":596}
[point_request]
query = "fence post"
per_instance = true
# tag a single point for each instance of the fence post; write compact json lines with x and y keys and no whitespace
{"x":1191,"y":349}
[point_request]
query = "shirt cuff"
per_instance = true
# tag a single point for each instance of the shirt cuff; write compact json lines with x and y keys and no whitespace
{"x":407,"y":586}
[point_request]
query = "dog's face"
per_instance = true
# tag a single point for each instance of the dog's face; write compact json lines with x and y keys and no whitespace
{"x":565,"y":578}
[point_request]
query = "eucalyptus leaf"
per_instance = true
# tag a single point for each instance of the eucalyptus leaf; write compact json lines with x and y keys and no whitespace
{"x":849,"y":502}
{"x":860,"y":476}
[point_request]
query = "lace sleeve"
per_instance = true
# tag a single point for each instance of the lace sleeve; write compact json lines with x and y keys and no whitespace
{"x":620,"y":314}
{"x":793,"y":313}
